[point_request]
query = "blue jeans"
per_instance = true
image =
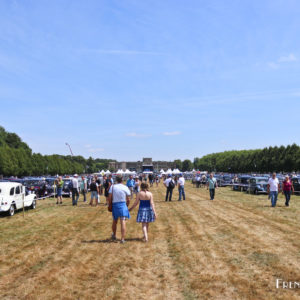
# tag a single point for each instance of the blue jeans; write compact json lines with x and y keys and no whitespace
{"x":169,"y":194}
{"x":75,"y":193}
{"x":181,"y":192}
{"x":287,"y":195}
{"x":273,"y":196}
{"x":212,"y":194}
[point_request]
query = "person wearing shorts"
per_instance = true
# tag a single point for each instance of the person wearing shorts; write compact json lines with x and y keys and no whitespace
{"x":60,"y":184}
{"x":94,"y":192}
{"x":119,"y":197}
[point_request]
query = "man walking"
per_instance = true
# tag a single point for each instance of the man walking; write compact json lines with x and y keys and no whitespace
{"x":212,"y":185}
{"x":181,"y":182}
{"x":75,"y":188}
{"x":83,"y":187}
{"x":119,"y":197}
{"x":130,"y":184}
{"x":273,"y":189}
{"x":169,"y":184}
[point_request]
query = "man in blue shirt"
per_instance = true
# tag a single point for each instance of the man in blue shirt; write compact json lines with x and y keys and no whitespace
{"x":130,"y":184}
{"x":212,"y":185}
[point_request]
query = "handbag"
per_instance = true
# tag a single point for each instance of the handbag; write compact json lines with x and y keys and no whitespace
{"x":109,"y":208}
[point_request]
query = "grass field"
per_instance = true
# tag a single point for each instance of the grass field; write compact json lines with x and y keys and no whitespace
{"x":231,"y":248}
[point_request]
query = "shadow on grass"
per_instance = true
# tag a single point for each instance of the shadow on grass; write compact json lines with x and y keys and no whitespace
{"x":107,"y":241}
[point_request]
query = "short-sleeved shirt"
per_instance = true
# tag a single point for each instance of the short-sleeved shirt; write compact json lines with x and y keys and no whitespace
{"x":120,"y":192}
{"x":181,"y":181}
{"x":60,"y":184}
{"x":273,"y":183}
{"x":75,"y":183}
{"x":167,"y":181}
{"x":287,"y":186}
{"x":211,"y":182}
{"x":83,"y":184}
{"x":130,"y":182}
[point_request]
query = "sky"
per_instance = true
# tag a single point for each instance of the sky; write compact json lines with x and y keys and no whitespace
{"x":127,"y":79}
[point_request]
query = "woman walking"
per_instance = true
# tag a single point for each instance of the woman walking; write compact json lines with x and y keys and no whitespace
{"x":146,"y":213}
{"x":288,"y":188}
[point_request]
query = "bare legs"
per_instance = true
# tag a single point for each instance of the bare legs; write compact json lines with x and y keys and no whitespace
{"x":145,"y":231}
{"x":123,"y":228}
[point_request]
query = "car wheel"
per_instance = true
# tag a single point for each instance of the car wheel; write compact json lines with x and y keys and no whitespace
{"x":33,"y":205}
{"x":11,"y":211}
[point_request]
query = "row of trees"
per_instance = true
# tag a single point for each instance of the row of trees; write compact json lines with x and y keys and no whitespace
{"x":17,"y":159}
{"x":19,"y":162}
{"x":279,"y":159}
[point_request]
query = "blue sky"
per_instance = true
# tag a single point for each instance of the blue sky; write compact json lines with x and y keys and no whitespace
{"x":163,"y":79}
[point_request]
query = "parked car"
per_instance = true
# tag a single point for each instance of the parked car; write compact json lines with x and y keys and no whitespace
{"x":12,"y":196}
{"x":296,"y":184}
{"x":66,"y":191}
{"x":242,"y":184}
{"x":258,"y":185}
{"x":225,"y":180}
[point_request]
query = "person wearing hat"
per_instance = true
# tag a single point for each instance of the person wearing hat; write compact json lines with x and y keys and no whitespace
{"x":75,"y":190}
{"x":181,"y":182}
{"x":169,"y":184}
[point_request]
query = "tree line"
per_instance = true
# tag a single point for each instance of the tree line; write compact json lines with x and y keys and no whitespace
{"x":278,"y":159}
{"x":17,"y":159}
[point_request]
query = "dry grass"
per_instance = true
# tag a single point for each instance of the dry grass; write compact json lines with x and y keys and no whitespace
{"x":231,"y":248}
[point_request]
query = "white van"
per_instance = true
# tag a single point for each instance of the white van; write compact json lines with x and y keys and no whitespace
{"x":12,"y":196}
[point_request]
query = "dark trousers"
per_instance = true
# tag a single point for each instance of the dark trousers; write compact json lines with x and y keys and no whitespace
{"x":181,"y":192}
{"x":212,"y":194}
{"x":169,"y":194}
{"x":75,"y":196}
{"x":83,"y":192}
{"x":287,"y":195}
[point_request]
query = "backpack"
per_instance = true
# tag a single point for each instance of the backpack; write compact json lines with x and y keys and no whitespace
{"x":171,"y":184}
{"x":70,"y":185}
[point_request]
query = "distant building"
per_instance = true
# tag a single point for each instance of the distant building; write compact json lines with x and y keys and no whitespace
{"x":139,"y":166}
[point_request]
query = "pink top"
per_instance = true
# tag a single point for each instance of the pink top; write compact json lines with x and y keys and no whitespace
{"x":287,"y":185}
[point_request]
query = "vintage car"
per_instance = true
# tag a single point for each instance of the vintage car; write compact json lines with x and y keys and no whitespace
{"x":296,"y":184}
{"x":258,"y":185}
{"x":13,"y":197}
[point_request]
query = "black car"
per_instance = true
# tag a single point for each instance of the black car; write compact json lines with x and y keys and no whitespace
{"x":258,"y":185}
{"x":242,"y":184}
{"x":225,"y":180}
{"x":66,"y":191}
{"x":296,"y":184}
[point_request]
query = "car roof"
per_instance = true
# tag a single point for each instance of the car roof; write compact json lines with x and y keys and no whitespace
{"x":8,"y":185}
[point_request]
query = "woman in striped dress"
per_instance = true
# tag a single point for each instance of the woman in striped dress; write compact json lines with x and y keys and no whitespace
{"x":146,"y":213}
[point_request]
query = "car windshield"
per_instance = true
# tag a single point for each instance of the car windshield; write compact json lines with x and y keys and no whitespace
{"x":261,"y":181}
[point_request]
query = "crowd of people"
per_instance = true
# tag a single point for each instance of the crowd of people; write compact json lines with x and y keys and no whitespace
{"x":118,"y":195}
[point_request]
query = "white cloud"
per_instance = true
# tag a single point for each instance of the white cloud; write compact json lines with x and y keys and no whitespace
{"x":289,"y":58}
{"x":171,"y":133}
{"x":282,"y":60}
{"x":94,"y":150}
{"x":137,"y":135}
{"x":121,"y":52}
{"x":273,"y":65}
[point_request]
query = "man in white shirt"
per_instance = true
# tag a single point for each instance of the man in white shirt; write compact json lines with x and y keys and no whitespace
{"x":169,"y":184}
{"x":75,"y":190}
{"x":119,"y":196}
{"x":273,"y":189}
{"x":181,"y":182}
